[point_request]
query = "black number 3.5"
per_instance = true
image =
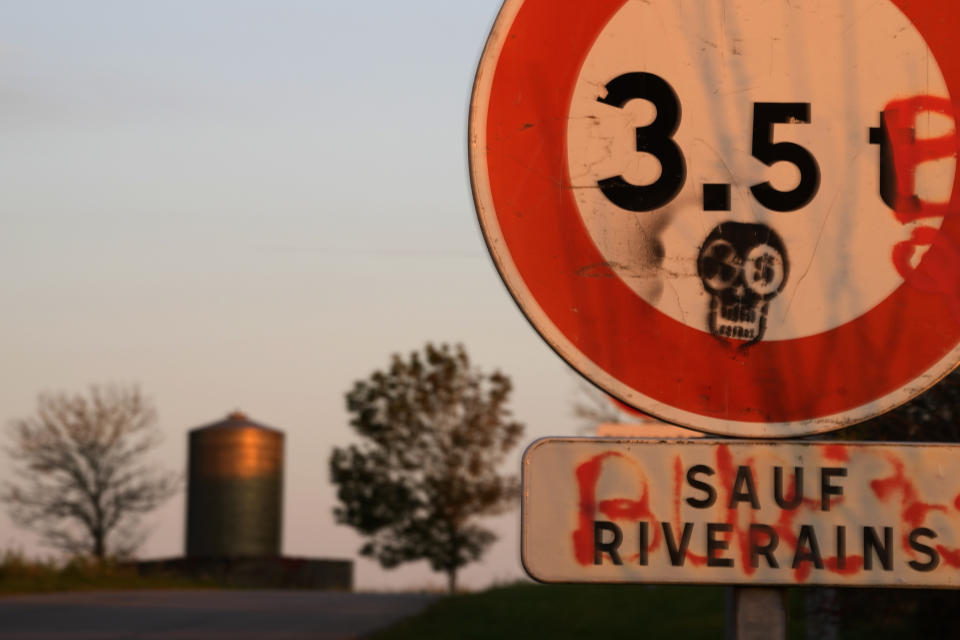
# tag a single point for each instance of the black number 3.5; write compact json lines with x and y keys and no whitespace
{"x":765,"y":115}
{"x":657,"y":139}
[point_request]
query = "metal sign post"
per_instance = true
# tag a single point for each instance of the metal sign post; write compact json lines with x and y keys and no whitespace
{"x":740,"y":217}
{"x":757,"y":613}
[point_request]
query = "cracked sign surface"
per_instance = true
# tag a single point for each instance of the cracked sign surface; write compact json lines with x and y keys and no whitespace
{"x":738,"y":215}
{"x":742,"y":512}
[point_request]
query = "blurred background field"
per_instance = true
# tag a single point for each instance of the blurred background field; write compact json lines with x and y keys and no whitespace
{"x":18,"y":574}
{"x":526,"y":610}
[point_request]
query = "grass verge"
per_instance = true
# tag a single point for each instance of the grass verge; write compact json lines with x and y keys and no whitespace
{"x":19,"y":575}
{"x":576,"y":611}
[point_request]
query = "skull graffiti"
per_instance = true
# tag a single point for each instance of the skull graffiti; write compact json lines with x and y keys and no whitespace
{"x":743,"y":267}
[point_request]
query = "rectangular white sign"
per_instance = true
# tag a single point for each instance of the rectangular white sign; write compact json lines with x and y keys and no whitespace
{"x":742,"y":512}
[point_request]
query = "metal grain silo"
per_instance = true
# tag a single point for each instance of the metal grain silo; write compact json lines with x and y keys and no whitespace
{"x":234,"y":490}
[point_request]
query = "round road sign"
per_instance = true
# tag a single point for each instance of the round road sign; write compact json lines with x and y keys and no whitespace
{"x":739,"y":215}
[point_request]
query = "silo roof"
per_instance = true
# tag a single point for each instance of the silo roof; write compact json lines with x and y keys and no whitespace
{"x":236,"y":420}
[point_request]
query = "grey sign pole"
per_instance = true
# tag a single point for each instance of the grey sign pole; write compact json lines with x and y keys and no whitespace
{"x":756,"y":613}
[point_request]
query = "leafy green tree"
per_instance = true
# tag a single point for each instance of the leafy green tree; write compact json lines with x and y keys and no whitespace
{"x":435,"y":430}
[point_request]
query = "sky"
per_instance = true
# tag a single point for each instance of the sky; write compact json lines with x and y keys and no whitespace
{"x":251,"y":205}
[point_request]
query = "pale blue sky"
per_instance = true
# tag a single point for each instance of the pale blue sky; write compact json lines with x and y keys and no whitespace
{"x":250,"y":205}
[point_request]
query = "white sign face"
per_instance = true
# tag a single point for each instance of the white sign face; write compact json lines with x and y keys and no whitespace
{"x":739,"y":216}
{"x":734,"y":512}
{"x":717,"y":58}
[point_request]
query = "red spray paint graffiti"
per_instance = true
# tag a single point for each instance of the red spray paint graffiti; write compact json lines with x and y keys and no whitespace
{"x":588,"y":475}
{"x":901,"y":153}
{"x":914,"y":512}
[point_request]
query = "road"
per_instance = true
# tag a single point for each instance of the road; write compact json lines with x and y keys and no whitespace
{"x":205,"y":615}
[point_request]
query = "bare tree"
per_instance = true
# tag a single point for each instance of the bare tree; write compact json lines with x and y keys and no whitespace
{"x":81,"y":469}
{"x":592,"y":407}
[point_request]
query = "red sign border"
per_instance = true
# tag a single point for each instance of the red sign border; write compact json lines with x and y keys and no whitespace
{"x":774,"y":389}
